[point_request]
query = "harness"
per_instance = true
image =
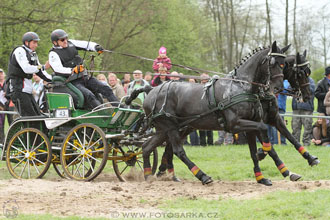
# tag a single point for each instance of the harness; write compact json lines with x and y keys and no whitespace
{"x":214,"y":107}
{"x":209,"y":91}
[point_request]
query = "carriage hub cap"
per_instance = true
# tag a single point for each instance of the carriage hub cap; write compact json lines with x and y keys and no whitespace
{"x":82,"y":152}
{"x":27,"y":154}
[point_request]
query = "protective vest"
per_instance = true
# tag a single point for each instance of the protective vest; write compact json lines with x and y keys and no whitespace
{"x":69,"y":56}
{"x":15,"y":70}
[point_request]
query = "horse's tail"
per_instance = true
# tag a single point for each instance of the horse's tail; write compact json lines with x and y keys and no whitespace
{"x":136,"y":92}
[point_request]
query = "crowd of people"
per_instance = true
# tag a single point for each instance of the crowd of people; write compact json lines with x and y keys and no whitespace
{"x":24,"y":87}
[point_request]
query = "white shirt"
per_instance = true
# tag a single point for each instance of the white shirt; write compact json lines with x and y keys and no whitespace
{"x":55,"y":61}
{"x":23,"y":62}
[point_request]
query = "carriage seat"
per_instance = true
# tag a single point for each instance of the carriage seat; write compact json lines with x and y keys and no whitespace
{"x":61,"y":86}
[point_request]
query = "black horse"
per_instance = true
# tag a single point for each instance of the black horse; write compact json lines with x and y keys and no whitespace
{"x":174,"y":106}
{"x":296,"y":70}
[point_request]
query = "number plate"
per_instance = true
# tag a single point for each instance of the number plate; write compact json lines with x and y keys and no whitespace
{"x":62,"y":113}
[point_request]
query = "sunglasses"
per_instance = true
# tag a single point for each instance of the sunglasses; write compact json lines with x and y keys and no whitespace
{"x":64,"y":39}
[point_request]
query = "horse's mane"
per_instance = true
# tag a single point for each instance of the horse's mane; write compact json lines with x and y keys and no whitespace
{"x":244,"y":59}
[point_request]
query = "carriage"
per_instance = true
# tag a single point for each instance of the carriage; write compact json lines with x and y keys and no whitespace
{"x":77,"y":142}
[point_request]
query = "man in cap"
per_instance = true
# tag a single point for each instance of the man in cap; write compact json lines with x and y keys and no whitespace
{"x":66,"y":62}
{"x":322,"y":89}
{"x":23,"y":63}
{"x":137,"y":83}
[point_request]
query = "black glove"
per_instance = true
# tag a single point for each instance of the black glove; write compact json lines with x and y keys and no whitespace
{"x":99,"y":49}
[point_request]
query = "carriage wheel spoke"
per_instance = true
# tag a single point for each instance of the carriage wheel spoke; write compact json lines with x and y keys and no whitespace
{"x":139,"y":162}
{"x":93,"y":158}
{"x":72,"y":161}
{"x":83,"y":168}
{"x":78,"y":139}
{"x":90,"y":164}
{"x":17,"y":149}
{"x":123,"y":170}
{"x":34,"y":142}
{"x":73,"y":145}
{"x":22,"y":170}
{"x":18,"y":164}
{"x":34,"y":165}
{"x":72,"y":154}
{"x":29,"y":171}
{"x":39,"y":161}
{"x":84,"y":137}
{"x":91,"y":138}
{"x":22,"y":143}
{"x":34,"y":149}
{"x":89,"y":147}
{"x":28,"y":140}
{"x":77,"y":170}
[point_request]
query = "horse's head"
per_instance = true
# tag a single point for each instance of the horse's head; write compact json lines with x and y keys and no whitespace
{"x":276,"y":62}
{"x":297,"y":72}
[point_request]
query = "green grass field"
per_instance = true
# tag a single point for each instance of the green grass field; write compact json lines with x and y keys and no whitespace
{"x":233,"y":163}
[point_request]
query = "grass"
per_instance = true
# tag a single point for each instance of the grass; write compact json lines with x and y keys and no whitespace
{"x":278,"y":205}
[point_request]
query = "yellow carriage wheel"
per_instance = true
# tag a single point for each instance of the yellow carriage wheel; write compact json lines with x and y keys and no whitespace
{"x":127,"y":161}
{"x":84,"y":152}
{"x":28,"y":154}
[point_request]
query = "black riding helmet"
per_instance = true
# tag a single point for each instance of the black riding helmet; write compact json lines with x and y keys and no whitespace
{"x":58,"y":34}
{"x":30,"y":36}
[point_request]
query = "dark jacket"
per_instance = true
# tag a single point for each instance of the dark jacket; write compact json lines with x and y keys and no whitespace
{"x":309,"y":105}
{"x":320,"y":92}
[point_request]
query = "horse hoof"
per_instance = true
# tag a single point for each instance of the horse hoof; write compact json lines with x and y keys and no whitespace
{"x":261,"y":154}
{"x":312,"y":161}
{"x":160,"y":173}
{"x":265,"y":182}
{"x":146,"y":177}
{"x":176,"y":179}
{"x":294,"y":177}
{"x":206,"y":179}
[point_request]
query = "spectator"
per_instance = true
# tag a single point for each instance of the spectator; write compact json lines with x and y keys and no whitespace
{"x":38,"y":87}
{"x":126,"y":81}
{"x":117,"y":89}
{"x":9,"y":105}
{"x":204,"y":134}
{"x":3,"y":102}
{"x":148,"y":77}
{"x":322,"y":89}
{"x":174,"y":78}
{"x":192,"y":80}
{"x":162,"y":61}
{"x":303,"y":108}
{"x":327,"y":102}
{"x":272,"y":131}
{"x":321,"y":132}
{"x":137,"y":83}
{"x":160,"y":79}
{"x":101,"y":77}
{"x":224,"y":138}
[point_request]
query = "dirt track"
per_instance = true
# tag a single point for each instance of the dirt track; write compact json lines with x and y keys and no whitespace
{"x":106,"y":196}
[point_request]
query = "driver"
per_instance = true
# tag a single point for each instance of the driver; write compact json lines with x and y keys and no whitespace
{"x":23,"y":63}
{"x":65,"y":61}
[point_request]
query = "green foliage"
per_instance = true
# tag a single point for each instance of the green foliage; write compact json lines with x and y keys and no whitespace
{"x":318,"y":74}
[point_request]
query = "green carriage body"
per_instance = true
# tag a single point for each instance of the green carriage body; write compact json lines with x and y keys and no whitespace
{"x":113,"y":125}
